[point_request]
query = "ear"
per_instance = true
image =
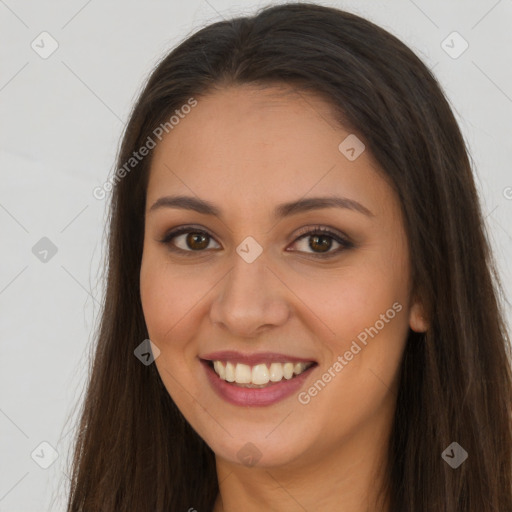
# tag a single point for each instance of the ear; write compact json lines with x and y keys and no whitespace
{"x":417,"y":320}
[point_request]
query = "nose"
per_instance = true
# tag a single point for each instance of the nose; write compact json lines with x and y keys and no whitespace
{"x":250,"y":299}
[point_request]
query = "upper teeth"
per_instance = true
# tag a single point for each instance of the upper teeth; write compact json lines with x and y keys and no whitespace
{"x":258,"y":374}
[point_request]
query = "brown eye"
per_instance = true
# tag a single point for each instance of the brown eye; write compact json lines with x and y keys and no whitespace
{"x":197,"y":241}
{"x":320,"y":242}
{"x":188,"y":240}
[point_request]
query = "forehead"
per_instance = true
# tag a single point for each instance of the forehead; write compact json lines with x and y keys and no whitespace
{"x":253,"y":147}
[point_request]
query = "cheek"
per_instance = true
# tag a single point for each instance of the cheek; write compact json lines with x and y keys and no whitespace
{"x":365,"y":313}
{"x":343,"y":304}
{"x":174,"y":301}
{"x":168,"y":311}
{"x":160,"y":300}
{"x":165,"y":295}
{"x":360,"y":315}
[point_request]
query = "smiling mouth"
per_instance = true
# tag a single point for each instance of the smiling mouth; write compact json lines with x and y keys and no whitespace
{"x":259,"y":375}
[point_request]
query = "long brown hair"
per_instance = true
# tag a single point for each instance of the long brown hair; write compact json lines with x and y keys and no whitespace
{"x":135,"y":450}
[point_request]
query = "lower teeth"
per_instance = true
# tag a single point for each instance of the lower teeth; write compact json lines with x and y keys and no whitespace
{"x":254,"y":385}
{"x":270,"y":383}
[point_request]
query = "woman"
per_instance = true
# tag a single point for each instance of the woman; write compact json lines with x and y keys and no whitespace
{"x":295,"y":227}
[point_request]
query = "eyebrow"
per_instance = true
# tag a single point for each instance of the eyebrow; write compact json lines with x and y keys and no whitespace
{"x":281,"y":211}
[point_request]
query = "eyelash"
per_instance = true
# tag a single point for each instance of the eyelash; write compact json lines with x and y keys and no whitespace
{"x":315,"y":230}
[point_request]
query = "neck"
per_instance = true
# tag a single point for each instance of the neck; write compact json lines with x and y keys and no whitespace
{"x":342,"y":480}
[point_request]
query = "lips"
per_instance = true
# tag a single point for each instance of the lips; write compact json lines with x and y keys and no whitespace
{"x":256,"y":379}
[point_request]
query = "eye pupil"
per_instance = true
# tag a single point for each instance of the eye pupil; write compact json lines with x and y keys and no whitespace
{"x":325,"y":246}
{"x":192,"y":238}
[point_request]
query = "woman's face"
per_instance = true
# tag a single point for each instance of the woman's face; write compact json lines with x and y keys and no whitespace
{"x":258,"y":285}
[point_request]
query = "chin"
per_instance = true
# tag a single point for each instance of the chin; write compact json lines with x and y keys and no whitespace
{"x":258,"y":448}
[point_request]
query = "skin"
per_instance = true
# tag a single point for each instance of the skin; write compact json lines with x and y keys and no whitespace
{"x":247,"y":150}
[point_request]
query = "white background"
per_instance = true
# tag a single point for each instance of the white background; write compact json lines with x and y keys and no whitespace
{"x":61,"y":121}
